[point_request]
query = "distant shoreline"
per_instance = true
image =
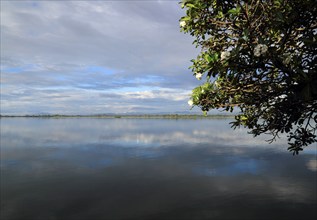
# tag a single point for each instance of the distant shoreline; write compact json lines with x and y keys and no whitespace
{"x":143,"y":116}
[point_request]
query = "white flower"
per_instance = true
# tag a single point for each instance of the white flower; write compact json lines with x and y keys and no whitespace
{"x":190,"y":102}
{"x":283,"y":96}
{"x":182,"y":23}
{"x":202,"y":91}
{"x":260,"y":49}
{"x":225,"y":55}
{"x":198,"y":76}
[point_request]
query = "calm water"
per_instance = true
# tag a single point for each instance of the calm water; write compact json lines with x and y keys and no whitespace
{"x":149,"y":169}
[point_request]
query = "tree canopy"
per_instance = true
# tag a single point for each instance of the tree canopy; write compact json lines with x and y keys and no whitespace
{"x":258,"y":56}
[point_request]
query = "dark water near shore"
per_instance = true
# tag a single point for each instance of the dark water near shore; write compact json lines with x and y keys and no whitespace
{"x":112,"y":169}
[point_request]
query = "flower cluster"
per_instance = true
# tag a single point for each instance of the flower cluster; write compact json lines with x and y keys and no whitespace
{"x":260,"y":49}
{"x":182,"y":23}
{"x":225,"y":55}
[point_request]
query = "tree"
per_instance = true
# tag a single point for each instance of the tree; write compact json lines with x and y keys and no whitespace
{"x":258,"y":56}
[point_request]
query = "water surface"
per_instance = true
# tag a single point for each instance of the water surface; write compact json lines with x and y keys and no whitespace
{"x":84,"y":168}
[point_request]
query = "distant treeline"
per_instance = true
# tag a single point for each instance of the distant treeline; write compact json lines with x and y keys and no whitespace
{"x":168,"y":116}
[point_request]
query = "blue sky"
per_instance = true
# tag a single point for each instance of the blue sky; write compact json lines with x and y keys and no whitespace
{"x":92,"y":57}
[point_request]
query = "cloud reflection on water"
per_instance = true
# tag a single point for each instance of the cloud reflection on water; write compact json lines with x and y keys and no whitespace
{"x":312,"y":165}
{"x":149,"y":169}
{"x":137,"y":132}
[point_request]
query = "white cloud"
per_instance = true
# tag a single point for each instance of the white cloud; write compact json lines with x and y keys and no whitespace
{"x":48,"y":45}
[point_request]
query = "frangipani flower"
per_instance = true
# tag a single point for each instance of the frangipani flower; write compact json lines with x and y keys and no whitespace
{"x":225,"y":55}
{"x":182,"y":23}
{"x":260,"y":49}
{"x":190,"y":102}
{"x":198,"y":76}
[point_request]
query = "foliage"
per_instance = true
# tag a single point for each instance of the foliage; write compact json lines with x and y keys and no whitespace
{"x":258,"y":56}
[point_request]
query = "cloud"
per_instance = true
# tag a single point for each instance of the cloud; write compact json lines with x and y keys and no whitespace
{"x":90,"y":47}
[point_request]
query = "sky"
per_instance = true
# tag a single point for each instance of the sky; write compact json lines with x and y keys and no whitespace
{"x":95,"y":57}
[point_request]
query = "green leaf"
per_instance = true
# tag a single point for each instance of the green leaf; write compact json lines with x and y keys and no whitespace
{"x":215,"y":57}
{"x":243,"y":118}
{"x":246,"y":33}
{"x":185,"y":18}
{"x":189,"y":5}
{"x":220,"y":14}
{"x":234,"y":11}
{"x":207,"y":57}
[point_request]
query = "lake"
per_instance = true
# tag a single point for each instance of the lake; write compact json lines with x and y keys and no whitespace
{"x":94,"y":168}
